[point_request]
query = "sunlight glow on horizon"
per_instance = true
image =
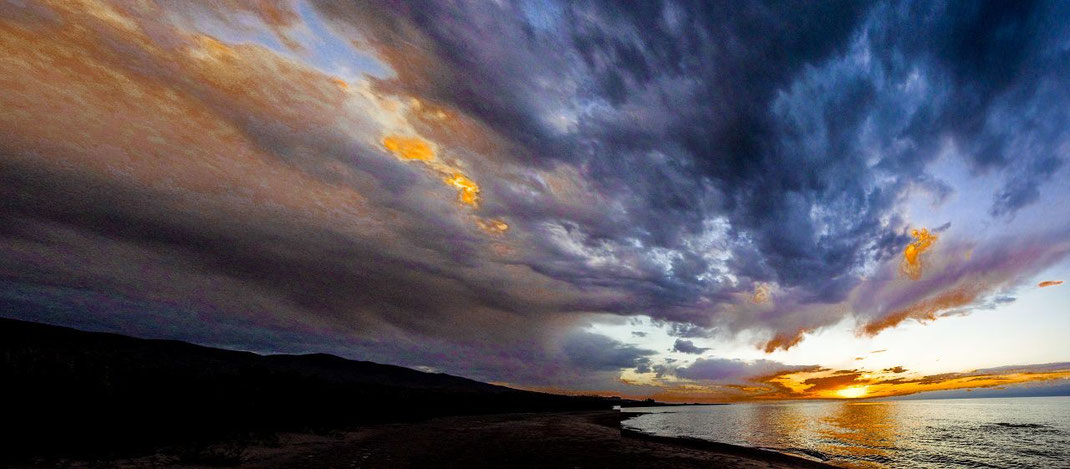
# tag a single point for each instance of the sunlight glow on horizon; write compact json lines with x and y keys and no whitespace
{"x":852,"y":392}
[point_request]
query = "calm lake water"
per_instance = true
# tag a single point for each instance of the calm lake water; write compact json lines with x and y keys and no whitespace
{"x":1005,"y":432}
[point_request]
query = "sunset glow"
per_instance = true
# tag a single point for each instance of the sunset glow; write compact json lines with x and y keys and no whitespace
{"x":852,"y":392}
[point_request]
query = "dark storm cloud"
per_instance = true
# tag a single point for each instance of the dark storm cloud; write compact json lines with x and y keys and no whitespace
{"x":687,"y":346}
{"x":600,"y":353}
{"x":1001,"y":73}
{"x":643,"y":365}
{"x":656,"y":159}
{"x":727,"y":370}
{"x":801,"y":126}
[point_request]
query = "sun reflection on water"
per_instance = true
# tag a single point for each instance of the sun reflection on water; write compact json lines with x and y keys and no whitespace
{"x":897,"y":434}
{"x":863,"y":432}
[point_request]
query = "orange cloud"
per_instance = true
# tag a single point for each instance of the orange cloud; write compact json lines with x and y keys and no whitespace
{"x":952,"y":381}
{"x":340,"y":83}
{"x":1049,"y":283}
{"x":193,"y":116}
{"x":409,"y":148}
{"x":815,"y":382}
{"x":180,"y":111}
{"x":467,"y":189}
{"x":923,"y":311}
{"x":785,"y":340}
{"x":405,"y":49}
{"x":826,"y":384}
{"x":831,"y":383}
{"x":911,"y":265}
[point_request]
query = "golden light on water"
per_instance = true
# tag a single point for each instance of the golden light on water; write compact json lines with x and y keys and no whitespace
{"x":852,"y":392}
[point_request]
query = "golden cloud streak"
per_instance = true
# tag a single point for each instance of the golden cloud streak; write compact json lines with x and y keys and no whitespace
{"x":181,"y":126}
{"x":1049,"y":283}
{"x":467,"y":190}
{"x":852,"y":384}
{"x":171,"y":130}
{"x":924,"y":310}
{"x":815,"y":382}
{"x":822,"y":383}
{"x":409,"y":148}
{"x":911,"y":265}
{"x":785,"y":340}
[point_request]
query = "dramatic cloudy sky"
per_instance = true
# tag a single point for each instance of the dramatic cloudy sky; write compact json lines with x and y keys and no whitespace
{"x":692,"y":201}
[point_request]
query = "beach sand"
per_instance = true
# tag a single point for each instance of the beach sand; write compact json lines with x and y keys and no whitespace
{"x":566,"y":440}
{"x":515,"y":441}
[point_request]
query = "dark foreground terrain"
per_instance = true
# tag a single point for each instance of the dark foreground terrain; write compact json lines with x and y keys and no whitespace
{"x":544,"y":440}
{"x":547,"y":440}
{"x":75,"y":394}
{"x":81,"y":399}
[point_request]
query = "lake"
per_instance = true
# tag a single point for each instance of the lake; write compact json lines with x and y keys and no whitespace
{"x":996,"y":432}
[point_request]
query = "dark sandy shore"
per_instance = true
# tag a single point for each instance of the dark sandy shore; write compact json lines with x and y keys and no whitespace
{"x":548,"y":440}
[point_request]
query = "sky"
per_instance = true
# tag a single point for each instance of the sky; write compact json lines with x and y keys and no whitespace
{"x":691,"y":201}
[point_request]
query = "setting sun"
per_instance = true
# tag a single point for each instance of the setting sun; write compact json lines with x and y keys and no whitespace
{"x":852,"y":392}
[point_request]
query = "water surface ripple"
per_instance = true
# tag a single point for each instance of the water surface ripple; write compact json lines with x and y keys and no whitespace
{"x":1003,"y":433}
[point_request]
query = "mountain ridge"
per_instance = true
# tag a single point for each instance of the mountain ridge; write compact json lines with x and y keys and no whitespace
{"x":82,"y":393}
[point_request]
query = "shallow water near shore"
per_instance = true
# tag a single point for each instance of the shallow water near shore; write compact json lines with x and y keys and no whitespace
{"x":996,"y":432}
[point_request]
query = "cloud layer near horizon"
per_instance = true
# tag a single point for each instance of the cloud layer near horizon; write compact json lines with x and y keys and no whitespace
{"x":466,"y":187}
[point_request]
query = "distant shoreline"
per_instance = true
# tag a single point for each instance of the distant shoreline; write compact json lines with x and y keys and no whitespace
{"x":671,"y":404}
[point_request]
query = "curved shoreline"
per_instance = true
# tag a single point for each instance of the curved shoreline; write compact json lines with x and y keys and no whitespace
{"x":723,"y":448}
{"x":727,"y":448}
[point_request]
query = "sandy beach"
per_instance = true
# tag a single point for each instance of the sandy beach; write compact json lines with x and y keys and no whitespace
{"x":571,"y":440}
{"x":547,"y":440}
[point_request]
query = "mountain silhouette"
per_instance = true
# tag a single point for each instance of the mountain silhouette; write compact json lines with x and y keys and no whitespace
{"x":88,"y":394}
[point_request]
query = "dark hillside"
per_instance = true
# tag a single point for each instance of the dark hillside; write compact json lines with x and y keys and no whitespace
{"x":85,"y":394}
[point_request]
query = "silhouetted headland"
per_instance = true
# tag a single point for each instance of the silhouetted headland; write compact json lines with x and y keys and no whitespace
{"x":85,"y":395}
